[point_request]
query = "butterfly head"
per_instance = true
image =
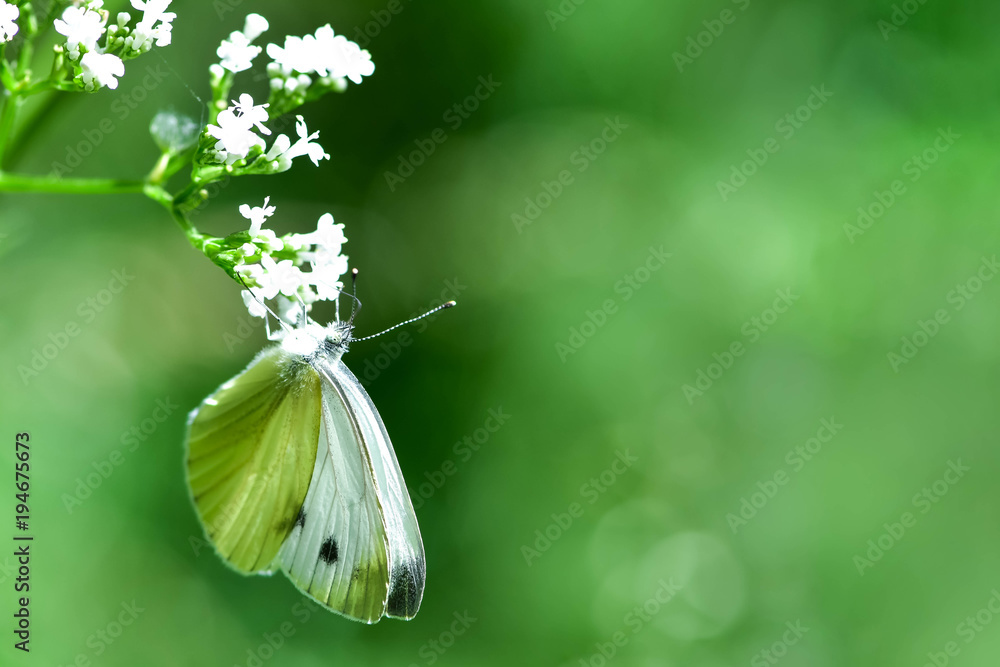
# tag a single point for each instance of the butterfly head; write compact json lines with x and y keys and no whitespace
{"x":311,"y":339}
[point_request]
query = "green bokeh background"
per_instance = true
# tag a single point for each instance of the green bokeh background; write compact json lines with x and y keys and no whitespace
{"x":167,"y":337}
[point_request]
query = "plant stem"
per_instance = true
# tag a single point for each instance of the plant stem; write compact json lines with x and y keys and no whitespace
{"x":96,"y":186}
{"x":7,"y":117}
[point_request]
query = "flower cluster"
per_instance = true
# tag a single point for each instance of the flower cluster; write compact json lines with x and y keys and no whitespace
{"x":8,"y":16}
{"x":272,"y":267}
{"x":303,"y":69}
{"x":237,"y":51}
{"x":237,"y":142}
{"x":328,"y":58}
{"x":239,"y":136}
{"x":93,"y":66}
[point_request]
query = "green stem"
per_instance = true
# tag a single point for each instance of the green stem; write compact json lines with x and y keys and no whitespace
{"x":7,"y":117}
{"x":95,"y":186}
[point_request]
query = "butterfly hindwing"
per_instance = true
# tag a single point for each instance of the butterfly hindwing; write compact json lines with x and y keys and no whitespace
{"x":250,"y":457}
{"x":356,"y":547}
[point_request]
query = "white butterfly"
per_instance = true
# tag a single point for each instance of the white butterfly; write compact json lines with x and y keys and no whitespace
{"x":290,"y":467}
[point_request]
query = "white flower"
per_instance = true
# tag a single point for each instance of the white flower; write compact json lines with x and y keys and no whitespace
{"x":284,"y":151}
{"x":155,"y":26}
{"x":153,"y":11}
{"x":324,"y":53}
{"x":248,"y":249}
{"x":257,"y":215}
{"x":8,"y":16}
{"x":269,"y":240}
{"x":326,"y":273}
{"x":344,"y":58}
{"x":254,"y":304}
{"x":296,"y":56}
{"x":329,"y":237}
{"x":237,"y":53}
{"x":102,"y":68}
{"x":254,"y":26}
{"x":283,"y":276}
{"x":254,"y":115}
{"x":251,"y":272}
{"x":235,"y":133}
{"x":290,"y":310}
{"x":82,"y":26}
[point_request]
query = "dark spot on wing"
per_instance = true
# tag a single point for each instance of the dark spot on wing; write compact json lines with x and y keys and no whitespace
{"x":328,"y":552}
{"x":301,"y":519}
{"x":407,"y":591}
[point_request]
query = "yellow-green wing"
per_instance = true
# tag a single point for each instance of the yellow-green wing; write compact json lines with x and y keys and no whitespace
{"x":250,"y":455}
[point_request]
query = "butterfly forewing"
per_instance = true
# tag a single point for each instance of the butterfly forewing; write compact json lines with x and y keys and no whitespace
{"x":406,"y":549}
{"x":250,"y":457}
{"x":356,"y":546}
{"x":337,"y":550}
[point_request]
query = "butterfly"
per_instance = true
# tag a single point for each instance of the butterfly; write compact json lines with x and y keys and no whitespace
{"x":290,"y":467}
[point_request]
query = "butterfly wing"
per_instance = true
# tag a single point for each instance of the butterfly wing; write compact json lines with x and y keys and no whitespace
{"x":251,"y":450}
{"x":356,"y":548}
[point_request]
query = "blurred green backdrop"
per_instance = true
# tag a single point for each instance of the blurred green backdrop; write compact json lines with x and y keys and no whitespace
{"x":748,"y":530}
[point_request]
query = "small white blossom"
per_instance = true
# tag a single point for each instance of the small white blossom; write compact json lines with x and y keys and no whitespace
{"x":329,"y":237}
{"x":156,"y":21}
{"x":282,"y":276}
{"x":82,"y":26}
{"x":283,"y":279}
{"x":235,"y":133}
{"x":101,"y":68}
{"x":269,"y":240}
{"x":8,"y":16}
{"x":254,"y":304}
{"x":326,"y":273}
{"x":257,"y":215}
{"x":324,"y":53}
{"x":237,"y":53}
{"x":254,"y":26}
{"x":290,"y":310}
{"x":284,"y":151}
{"x":345,"y":58}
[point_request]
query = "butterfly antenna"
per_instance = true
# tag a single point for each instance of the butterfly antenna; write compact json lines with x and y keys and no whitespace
{"x":356,"y":306}
{"x":410,"y":321}
{"x":258,"y":300}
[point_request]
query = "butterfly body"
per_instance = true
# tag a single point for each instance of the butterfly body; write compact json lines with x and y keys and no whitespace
{"x":290,"y":467}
